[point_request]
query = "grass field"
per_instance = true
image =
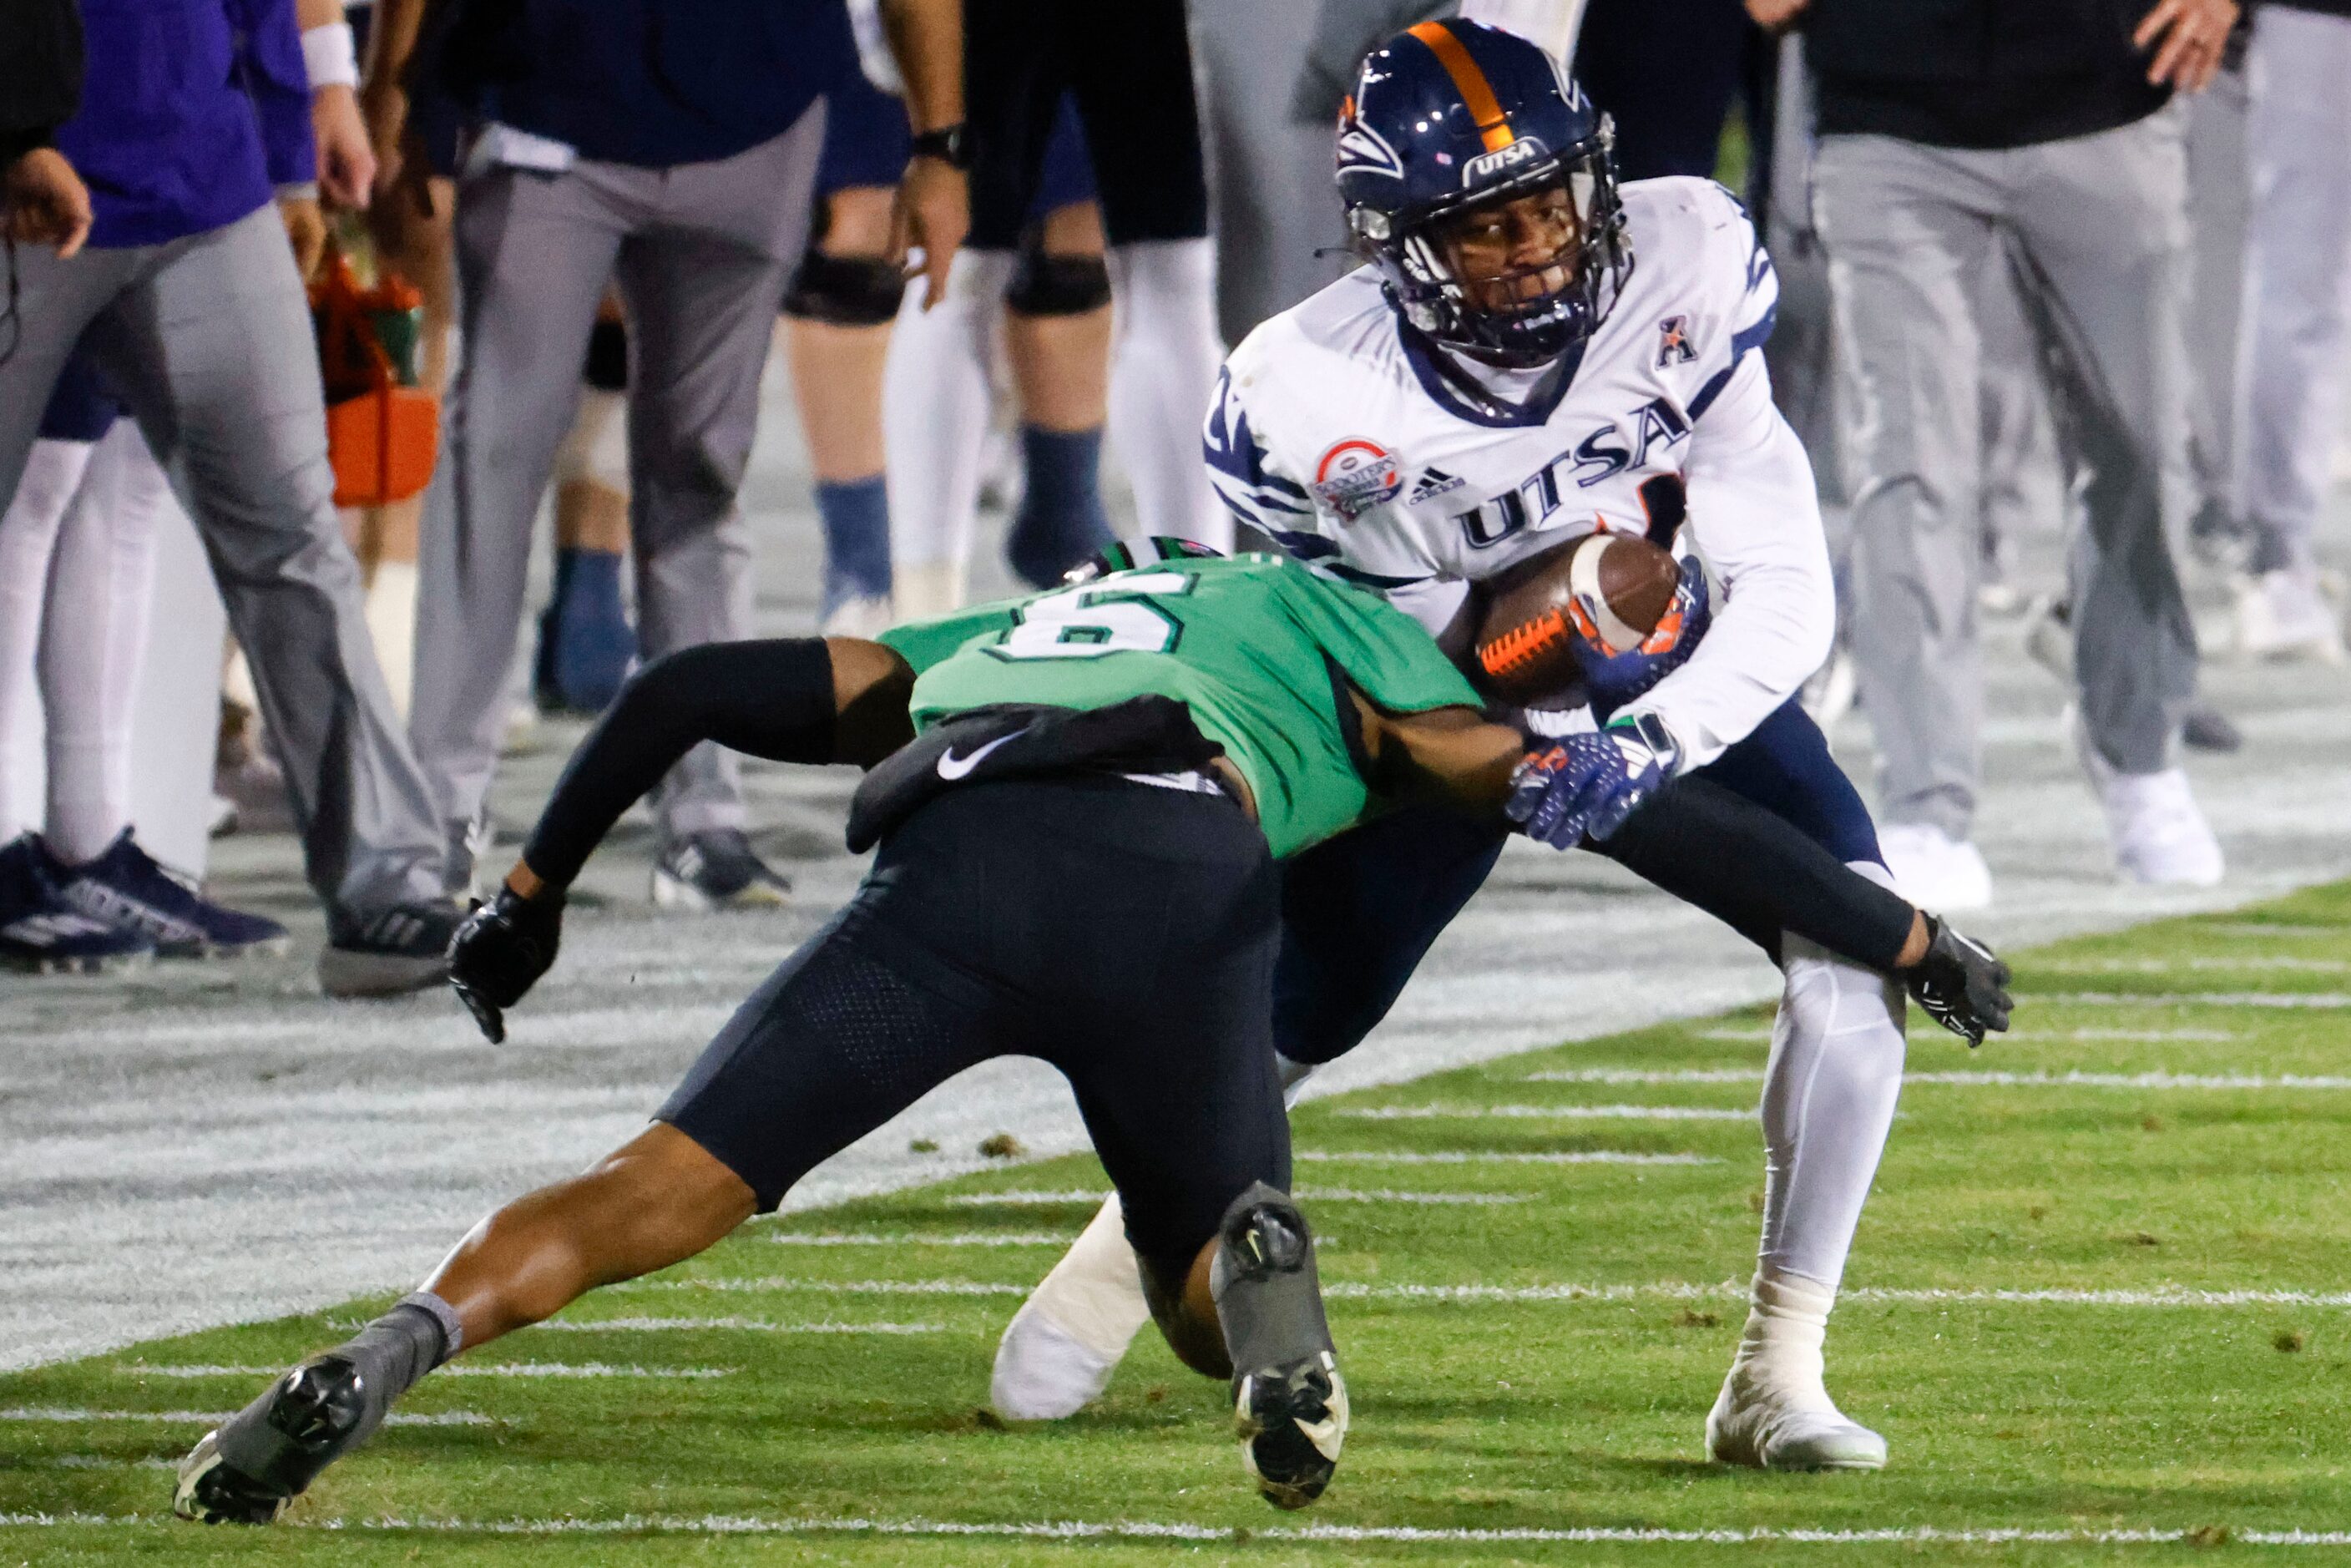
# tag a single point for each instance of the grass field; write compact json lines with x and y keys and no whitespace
{"x":2101,"y":1298}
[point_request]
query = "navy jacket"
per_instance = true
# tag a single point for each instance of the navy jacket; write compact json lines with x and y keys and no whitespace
{"x":649,"y":82}
{"x":191,"y":111}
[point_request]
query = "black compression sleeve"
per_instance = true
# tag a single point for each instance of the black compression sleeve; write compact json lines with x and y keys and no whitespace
{"x":771,"y":698}
{"x":1757,"y":872}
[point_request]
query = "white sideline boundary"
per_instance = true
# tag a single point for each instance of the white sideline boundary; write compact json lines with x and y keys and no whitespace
{"x":1333,"y":1534}
{"x":1761,"y":1034}
{"x":1963,"y":1079}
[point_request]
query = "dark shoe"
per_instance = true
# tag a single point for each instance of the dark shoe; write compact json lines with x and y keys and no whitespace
{"x":41,"y":934}
{"x":1292,"y":1422}
{"x":250,"y":1468}
{"x":715,"y":869}
{"x":126,"y":887}
{"x":2207,"y":728}
{"x":388,"y":953}
{"x":585,"y":642}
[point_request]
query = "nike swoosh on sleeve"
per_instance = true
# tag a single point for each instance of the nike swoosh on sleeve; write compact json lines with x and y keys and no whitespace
{"x":952,"y":766}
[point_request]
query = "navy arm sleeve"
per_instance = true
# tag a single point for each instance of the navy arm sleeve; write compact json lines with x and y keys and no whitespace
{"x":771,"y":698}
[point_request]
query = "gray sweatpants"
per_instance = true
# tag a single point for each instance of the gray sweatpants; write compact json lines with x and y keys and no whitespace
{"x":2092,"y":232}
{"x":208,"y":339}
{"x":700,"y":252}
{"x":2294,"y":350}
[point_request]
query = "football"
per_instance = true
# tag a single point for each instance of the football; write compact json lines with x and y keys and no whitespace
{"x":1605,"y":589}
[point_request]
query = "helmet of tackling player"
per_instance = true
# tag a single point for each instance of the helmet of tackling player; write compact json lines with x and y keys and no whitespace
{"x":1148,"y":551}
{"x":1478,"y":179}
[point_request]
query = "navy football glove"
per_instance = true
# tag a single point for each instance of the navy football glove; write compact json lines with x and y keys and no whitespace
{"x":499,"y":953}
{"x":1588,"y":784}
{"x":1612,"y":680}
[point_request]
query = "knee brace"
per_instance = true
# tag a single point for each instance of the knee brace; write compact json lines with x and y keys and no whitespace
{"x":1045,"y":285}
{"x":844,"y":290}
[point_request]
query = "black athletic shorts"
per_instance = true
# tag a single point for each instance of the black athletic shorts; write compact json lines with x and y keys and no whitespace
{"x":1124,"y":932}
{"x":1129,"y":66}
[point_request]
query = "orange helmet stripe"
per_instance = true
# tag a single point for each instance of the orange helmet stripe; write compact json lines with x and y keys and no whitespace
{"x":1469,"y":81}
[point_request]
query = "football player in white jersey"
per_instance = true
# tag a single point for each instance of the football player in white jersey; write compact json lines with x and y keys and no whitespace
{"x":1534,"y":354}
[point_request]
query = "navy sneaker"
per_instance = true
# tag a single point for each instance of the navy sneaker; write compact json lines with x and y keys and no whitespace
{"x":388,"y":952}
{"x":716,"y":869}
{"x":42,"y":934}
{"x":585,"y":642}
{"x":126,"y":887}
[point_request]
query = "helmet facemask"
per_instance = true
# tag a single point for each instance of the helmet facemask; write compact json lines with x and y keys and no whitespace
{"x":1521,"y":273}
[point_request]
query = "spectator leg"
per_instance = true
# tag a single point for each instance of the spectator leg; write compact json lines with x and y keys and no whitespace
{"x":534,"y":252}
{"x":2102,"y":265}
{"x":212,"y":348}
{"x":2296,"y":343}
{"x":701,"y":290}
{"x":1908,"y":230}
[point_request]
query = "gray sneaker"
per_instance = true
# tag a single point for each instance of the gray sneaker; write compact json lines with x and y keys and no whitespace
{"x":715,"y":869}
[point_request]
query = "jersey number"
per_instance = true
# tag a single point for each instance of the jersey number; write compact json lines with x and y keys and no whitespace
{"x":1087,"y":623}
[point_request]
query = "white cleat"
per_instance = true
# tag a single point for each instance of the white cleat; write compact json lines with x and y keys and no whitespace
{"x":864,"y":616}
{"x":1059,"y":1349}
{"x":1774,"y":1412}
{"x":2283,"y":616}
{"x":1764,"y":1430}
{"x":1933,"y":870}
{"x":2158,"y":833}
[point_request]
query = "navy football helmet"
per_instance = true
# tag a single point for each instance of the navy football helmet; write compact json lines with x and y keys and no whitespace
{"x":1448,"y":122}
{"x":1148,"y":551}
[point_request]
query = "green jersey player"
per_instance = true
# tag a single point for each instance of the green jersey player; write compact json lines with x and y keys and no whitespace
{"x":1079,"y":799}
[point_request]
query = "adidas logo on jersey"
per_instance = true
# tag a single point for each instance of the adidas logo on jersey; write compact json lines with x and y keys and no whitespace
{"x":1435,"y":482}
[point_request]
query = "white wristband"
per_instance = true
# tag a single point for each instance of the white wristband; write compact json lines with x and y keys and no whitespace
{"x":331,"y":57}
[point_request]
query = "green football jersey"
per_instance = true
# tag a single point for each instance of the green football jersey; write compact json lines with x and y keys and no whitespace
{"x":1249,"y":645}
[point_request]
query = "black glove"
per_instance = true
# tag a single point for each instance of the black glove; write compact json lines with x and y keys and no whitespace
{"x":1959,"y":982}
{"x":500,"y":951}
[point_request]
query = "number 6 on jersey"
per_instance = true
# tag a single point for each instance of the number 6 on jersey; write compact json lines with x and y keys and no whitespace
{"x":1086,"y":622}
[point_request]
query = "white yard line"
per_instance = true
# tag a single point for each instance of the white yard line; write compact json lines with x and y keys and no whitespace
{"x":209,"y":1417}
{"x":1731,"y":1290}
{"x":1318,"y":1195}
{"x":462,"y":1369}
{"x":1962,"y":1080}
{"x":912,"y":1239}
{"x":756,"y":1326}
{"x":1495,"y":1156}
{"x":826,"y":1287}
{"x":1545,"y":1113}
{"x":2153,"y":1036}
{"x":1334,"y":1534}
{"x":2323,"y":1000}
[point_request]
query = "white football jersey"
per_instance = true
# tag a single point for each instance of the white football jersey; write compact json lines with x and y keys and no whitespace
{"x":1337,"y":431}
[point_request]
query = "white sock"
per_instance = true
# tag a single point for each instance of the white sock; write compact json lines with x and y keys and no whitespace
{"x":1828,"y":1104}
{"x":391,"y":610}
{"x":596,"y":447}
{"x":1781,"y":1348}
{"x":1163,"y":371}
{"x":1059,"y":1349}
{"x":28,"y":537}
{"x":936,"y":395}
{"x":93,"y":638}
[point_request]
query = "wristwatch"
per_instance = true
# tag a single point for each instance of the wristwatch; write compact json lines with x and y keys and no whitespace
{"x":947,"y":145}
